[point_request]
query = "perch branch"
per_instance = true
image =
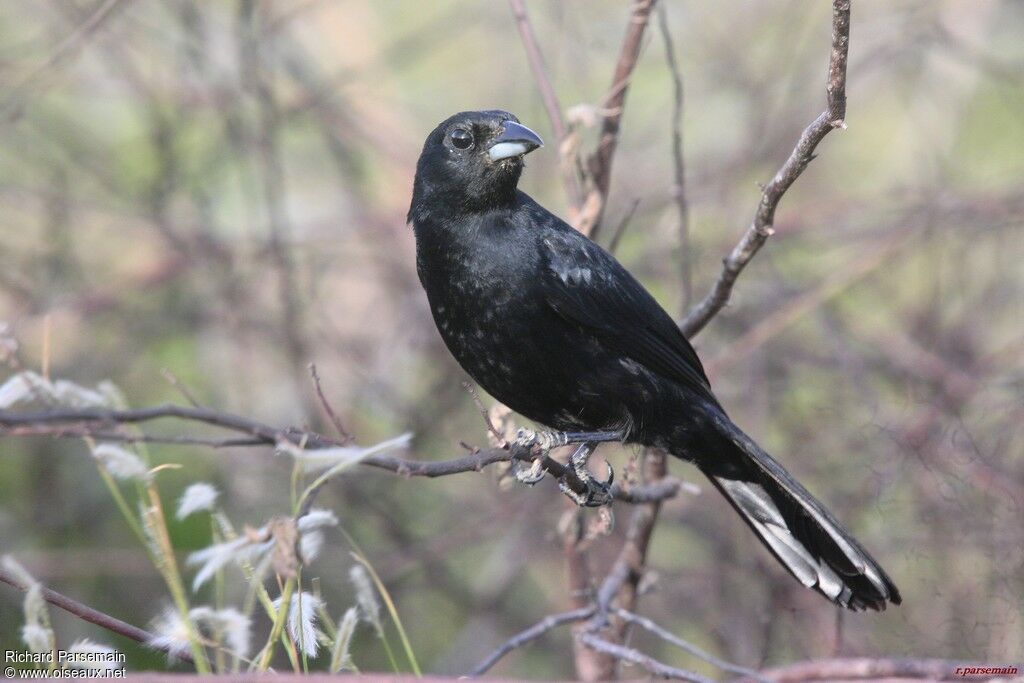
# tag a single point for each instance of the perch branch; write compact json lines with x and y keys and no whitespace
{"x":101,"y":423}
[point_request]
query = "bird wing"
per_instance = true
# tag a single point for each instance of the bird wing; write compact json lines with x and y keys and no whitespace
{"x":585,"y":285}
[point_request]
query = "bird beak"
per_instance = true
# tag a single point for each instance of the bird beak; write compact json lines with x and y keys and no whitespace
{"x":513,"y":141}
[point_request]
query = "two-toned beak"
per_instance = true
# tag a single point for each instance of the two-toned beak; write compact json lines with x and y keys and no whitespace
{"x":513,"y":141}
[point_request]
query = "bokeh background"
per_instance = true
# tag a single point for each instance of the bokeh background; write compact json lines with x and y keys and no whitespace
{"x":219,"y":189}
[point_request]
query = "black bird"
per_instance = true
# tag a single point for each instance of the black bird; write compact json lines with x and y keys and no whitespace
{"x":553,"y":326}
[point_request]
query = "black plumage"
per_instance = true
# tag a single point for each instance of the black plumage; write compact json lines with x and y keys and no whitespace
{"x":554,"y":327}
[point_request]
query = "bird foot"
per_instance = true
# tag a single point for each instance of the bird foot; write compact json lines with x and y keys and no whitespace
{"x":531,"y":475}
{"x":595,"y":493}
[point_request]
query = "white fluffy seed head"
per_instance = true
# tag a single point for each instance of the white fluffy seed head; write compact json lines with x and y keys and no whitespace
{"x":197,"y":497}
{"x":121,"y":463}
{"x":37,"y":638}
{"x":366,"y":596}
{"x":170,"y":634}
{"x":228,"y":627}
{"x":302,"y":621}
{"x":341,"y":658}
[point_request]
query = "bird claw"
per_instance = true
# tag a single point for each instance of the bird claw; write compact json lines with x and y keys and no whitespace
{"x":595,"y":493}
{"x":532,"y":475}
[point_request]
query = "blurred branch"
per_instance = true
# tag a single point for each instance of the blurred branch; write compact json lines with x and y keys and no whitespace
{"x":529,"y":635}
{"x":599,"y":165}
{"x":91,"y":615}
{"x":620,"y":229}
{"x":328,"y":408}
{"x":255,"y":68}
{"x":548,"y":96}
{"x":678,"y":162}
{"x":628,"y":654}
{"x":761,"y":228}
{"x":668,"y":637}
{"x":836,"y":283}
{"x":15,"y":100}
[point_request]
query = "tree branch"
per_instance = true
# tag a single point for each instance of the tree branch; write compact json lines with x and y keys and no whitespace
{"x":761,"y":227}
{"x":599,"y":165}
{"x":678,"y":161}
{"x":101,"y":423}
{"x":547,"y":95}
{"x":668,"y":637}
{"x":86,"y":613}
{"x":628,"y":654}
{"x":529,"y":635}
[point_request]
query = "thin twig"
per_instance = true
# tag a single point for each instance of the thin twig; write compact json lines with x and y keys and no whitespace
{"x":547,"y":95}
{"x":628,"y":654}
{"x":86,"y":613}
{"x":529,"y":635}
{"x":256,"y":68}
{"x":15,"y":100}
{"x":499,"y":438}
{"x":833,"y":285}
{"x":761,"y":227}
{"x":678,"y":161}
{"x":599,"y":165}
{"x":335,"y":420}
{"x":620,"y":230}
{"x":173,"y":380}
{"x":668,"y":637}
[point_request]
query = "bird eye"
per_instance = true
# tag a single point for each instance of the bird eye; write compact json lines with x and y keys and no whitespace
{"x":461,"y":138}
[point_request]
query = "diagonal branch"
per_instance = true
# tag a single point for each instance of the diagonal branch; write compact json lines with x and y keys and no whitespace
{"x":86,"y":613}
{"x":547,"y":95}
{"x":761,"y":227}
{"x":678,"y":161}
{"x":628,"y":654}
{"x":529,"y":635}
{"x":599,"y":165}
{"x":15,"y":100}
{"x":668,"y":637}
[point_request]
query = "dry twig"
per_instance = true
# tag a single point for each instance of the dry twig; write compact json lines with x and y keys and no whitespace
{"x":86,"y":613}
{"x":529,"y":635}
{"x":599,"y":165}
{"x":761,"y":227}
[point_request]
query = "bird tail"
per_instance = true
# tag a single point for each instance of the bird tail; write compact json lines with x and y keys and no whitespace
{"x":798,"y":530}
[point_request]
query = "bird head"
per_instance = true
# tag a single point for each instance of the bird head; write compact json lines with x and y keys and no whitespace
{"x":472,"y":161}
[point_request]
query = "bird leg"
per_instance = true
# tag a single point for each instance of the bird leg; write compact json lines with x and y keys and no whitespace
{"x":596,"y":493}
{"x":527,"y":438}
